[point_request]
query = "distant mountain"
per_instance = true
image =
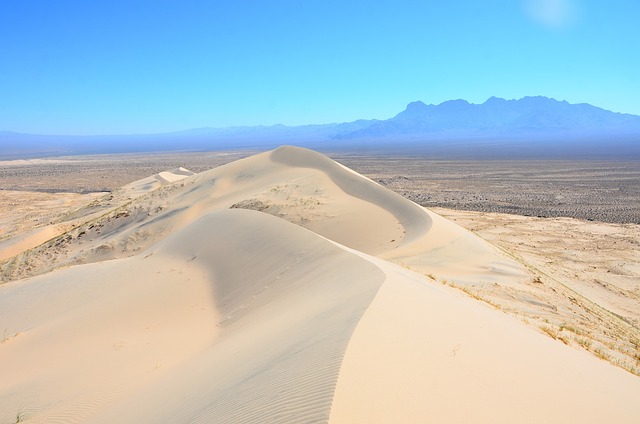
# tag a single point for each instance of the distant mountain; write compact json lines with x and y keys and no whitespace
{"x":495,"y":128}
{"x":15,"y":145}
{"x":529,"y":116}
{"x":318,"y":131}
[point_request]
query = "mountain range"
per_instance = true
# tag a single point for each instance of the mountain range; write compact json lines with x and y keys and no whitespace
{"x":529,"y":116}
{"x":496,"y":127}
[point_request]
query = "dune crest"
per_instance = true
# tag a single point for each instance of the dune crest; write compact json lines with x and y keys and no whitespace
{"x":264,"y":291}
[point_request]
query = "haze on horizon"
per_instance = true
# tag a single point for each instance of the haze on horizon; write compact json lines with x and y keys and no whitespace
{"x":146,"y":67}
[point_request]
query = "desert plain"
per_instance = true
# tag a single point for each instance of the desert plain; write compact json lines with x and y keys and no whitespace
{"x":284,"y":286}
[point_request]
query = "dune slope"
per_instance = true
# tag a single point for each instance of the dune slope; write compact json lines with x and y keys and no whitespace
{"x":235,"y":307}
{"x":422,"y":353}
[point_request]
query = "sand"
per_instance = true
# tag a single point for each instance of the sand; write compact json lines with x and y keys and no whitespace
{"x":587,"y":291}
{"x":280,"y":288}
{"x":29,"y":219}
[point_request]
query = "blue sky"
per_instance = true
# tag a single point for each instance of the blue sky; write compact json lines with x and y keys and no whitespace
{"x":116,"y":67}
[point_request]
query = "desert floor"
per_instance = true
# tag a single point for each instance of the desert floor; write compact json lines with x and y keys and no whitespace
{"x":604,"y":191}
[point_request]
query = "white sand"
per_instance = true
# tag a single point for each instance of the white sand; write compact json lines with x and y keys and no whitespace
{"x":192,"y":309}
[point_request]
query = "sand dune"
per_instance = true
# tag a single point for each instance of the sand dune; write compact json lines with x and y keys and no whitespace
{"x":265,"y":291}
{"x":19,"y":239}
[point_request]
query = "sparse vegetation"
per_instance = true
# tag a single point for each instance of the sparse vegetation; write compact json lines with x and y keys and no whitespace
{"x":567,"y":327}
{"x":7,"y":335}
{"x":472,"y":293}
{"x":600,"y":353}
{"x":20,"y":416}
{"x":551,"y":332}
{"x":584,"y":342}
{"x":534,"y":188}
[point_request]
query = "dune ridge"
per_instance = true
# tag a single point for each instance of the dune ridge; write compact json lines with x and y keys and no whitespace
{"x":411,"y":216}
{"x":265,"y":291}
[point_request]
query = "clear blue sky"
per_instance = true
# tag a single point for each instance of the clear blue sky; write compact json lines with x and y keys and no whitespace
{"x":114,"y":67}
